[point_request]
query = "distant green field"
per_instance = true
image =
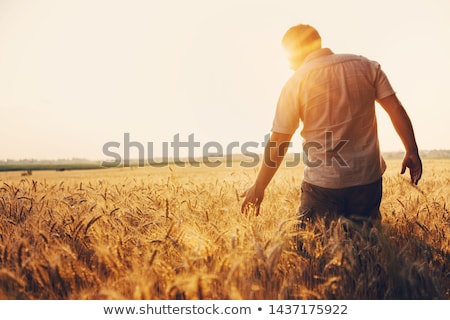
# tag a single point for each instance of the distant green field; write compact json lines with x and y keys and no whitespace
{"x":83,"y":164}
{"x":50,"y":166}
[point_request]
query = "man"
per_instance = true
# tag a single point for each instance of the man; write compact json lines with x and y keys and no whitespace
{"x":334,"y":96}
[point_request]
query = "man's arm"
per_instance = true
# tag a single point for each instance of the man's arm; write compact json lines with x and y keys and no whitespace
{"x":403,"y":126}
{"x":273,"y":157}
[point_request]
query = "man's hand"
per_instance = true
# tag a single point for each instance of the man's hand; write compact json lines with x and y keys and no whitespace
{"x":253,"y":198}
{"x":413,"y":162}
{"x":273,"y":156}
{"x":403,"y":126}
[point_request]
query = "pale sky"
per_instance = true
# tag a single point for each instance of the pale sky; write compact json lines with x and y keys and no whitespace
{"x":75,"y":75}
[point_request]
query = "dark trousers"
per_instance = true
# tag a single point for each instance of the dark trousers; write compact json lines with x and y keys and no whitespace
{"x":358,"y":203}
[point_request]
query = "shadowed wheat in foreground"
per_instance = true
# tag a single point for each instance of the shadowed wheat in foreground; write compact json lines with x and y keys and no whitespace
{"x":177,"y":233}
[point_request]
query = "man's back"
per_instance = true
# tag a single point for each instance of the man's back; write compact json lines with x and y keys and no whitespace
{"x":334,"y":97}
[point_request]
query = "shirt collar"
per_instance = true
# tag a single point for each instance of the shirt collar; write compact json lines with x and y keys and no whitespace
{"x":318,"y":53}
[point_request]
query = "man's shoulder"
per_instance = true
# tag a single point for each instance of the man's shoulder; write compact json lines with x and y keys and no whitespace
{"x":341,"y":57}
{"x":329,"y":61}
{"x":349,"y":59}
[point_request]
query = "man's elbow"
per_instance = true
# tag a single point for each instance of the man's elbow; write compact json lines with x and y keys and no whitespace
{"x":390,"y":104}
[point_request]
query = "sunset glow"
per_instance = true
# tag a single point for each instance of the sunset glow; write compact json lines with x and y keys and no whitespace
{"x":76,"y":74}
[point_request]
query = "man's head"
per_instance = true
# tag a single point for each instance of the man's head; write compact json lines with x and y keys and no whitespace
{"x":299,"y":41}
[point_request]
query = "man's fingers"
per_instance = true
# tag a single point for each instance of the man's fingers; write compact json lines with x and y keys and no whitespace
{"x":244,"y":207}
{"x":415,"y":176}
{"x":248,"y":206}
{"x":414,"y":164}
{"x":252,"y":201}
{"x":403,"y":167}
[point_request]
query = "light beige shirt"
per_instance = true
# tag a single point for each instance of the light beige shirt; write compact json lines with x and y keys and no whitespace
{"x":334,"y":95}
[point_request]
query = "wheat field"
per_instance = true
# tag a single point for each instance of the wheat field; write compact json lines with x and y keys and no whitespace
{"x":177,"y":233}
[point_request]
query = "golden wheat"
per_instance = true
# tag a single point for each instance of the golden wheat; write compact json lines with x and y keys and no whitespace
{"x":177,"y":233}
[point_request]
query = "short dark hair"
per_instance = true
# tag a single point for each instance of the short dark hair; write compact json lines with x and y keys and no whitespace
{"x":301,"y":36}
